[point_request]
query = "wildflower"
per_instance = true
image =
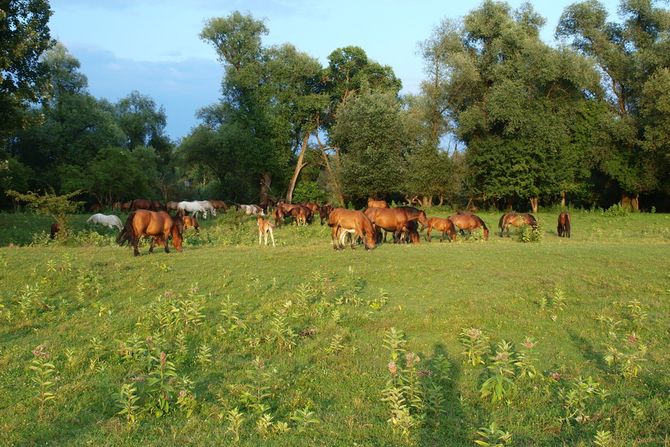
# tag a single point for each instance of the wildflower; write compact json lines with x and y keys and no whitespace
{"x":555,"y":376}
{"x":393,"y":368}
{"x":528,"y":343}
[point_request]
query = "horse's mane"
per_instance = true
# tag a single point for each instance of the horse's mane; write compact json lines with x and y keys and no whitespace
{"x":127,"y":234}
{"x":479,"y":220}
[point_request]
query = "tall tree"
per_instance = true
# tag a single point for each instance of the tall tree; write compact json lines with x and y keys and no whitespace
{"x":24,"y":36}
{"x":143,"y":123}
{"x":512,"y":98}
{"x":633,"y":58}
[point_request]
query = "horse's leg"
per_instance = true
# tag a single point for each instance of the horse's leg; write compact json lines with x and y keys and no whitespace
{"x":151,"y":246}
{"x":333,"y":236}
{"x":272,"y":237}
{"x":135,"y":242}
{"x":442,"y":235}
{"x":430,"y":228}
{"x":260,"y":235}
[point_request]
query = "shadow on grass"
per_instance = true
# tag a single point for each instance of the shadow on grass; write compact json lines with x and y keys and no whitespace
{"x":447,"y":428}
{"x":588,"y":351}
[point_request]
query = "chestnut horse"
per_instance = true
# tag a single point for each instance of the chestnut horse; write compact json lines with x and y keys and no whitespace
{"x":516,"y":220}
{"x":469,"y":221}
{"x":372,"y":203}
{"x":563,"y":228}
{"x":191,"y":222}
{"x":343,"y":221}
{"x":395,"y":219}
{"x":157,"y":225}
{"x":446,"y":226}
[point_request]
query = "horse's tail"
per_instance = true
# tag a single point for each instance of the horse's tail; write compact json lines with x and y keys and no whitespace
{"x":127,"y":233}
{"x":500,"y":223}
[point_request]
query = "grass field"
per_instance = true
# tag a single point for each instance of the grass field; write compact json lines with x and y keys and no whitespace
{"x":563,"y":342}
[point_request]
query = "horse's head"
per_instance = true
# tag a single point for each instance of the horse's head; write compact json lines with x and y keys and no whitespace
{"x":423,"y":220}
{"x":532,"y":221}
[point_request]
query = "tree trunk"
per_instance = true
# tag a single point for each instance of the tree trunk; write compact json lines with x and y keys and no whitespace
{"x":533,"y":204}
{"x":266,"y":181}
{"x":337,"y":189}
{"x":562,"y":199}
{"x":298,"y":167}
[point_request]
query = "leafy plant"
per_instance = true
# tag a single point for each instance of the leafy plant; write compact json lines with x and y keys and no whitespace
{"x":43,"y":377}
{"x":235,"y":420}
{"x":492,"y":436}
{"x":303,"y":419}
{"x":500,"y":384}
{"x":160,"y":382}
{"x":579,"y":400}
{"x":127,"y":401}
{"x":475,"y":345}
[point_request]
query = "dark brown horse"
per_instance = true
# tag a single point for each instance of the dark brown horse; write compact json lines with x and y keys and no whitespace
{"x":301,"y":214}
{"x":219,"y":205}
{"x":446,"y":226}
{"x":469,"y":222}
{"x":343,"y":221}
{"x":516,"y":220}
{"x":563,"y":228}
{"x":55,"y":229}
{"x":157,"y":225}
{"x":394,"y":220}
{"x":324,"y":211}
{"x":125,"y":206}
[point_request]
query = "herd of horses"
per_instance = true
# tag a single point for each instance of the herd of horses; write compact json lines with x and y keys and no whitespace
{"x":370,"y":227}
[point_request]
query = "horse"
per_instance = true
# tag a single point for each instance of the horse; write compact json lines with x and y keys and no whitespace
{"x":446,"y":226}
{"x":394,"y":219}
{"x":324,"y":211}
{"x":55,"y":228}
{"x":301,"y":214}
{"x":372,"y":203}
{"x":415,"y":212}
{"x":469,"y":221}
{"x":344,"y":221}
{"x":251,"y":210}
{"x":196,"y":206}
{"x":191,"y":222}
{"x":141,"y":204}
{"x":219,"y":204}
{"x":172,"y":206}
{"x":563,"y":228}
{"x":516,"y":220}
{"x":158,"y":225}
{"x":265,"y":227}
{"x":125,"y":206}
{"x":116,"y":206}
{"x":110,"y":221}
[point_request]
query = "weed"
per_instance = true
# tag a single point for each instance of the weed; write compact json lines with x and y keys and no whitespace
{"x":264,"y":425}
{"x":160,"y":382}
{"x":127,"y":399}
{"x":500,"y":384}
{"x":235,"y":420}
{"x":303,"y":418}
{"x":492,"y":436}
{"x":43,"y":377}
{"x":579,"y":401}
{"x":475,"y":345}
{"x":603,"y":439}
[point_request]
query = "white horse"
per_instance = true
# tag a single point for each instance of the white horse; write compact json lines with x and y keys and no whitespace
{"x":251,"y":210}
{"x":197,"y":206}
{"x":110,"y":221}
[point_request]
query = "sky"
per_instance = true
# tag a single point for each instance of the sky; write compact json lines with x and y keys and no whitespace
{"x":153,"y":46}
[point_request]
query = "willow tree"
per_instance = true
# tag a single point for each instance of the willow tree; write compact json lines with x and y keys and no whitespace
{"x":515,"y":102}
{"x":634,"y":60}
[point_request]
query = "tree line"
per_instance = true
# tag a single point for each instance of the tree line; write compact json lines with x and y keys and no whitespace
{"x":502,"y":119}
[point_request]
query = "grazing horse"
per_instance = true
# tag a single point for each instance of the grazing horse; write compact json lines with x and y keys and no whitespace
{"x":251,"y":210}
{"x":394,"y":220}
{"x":446,"y":226}
{"x":141,"y":204}
{"x":324,"y":211}
{"x":158,"y":225}
{"x":172,"y":206}
{"x":196,"y":206}
{"x":516,"y":220}
{"x":219,"y":205}
{"x":372,"y":203}
{"x":563,"y":228}
{"x":125,"y":206}
{"x":469,"y":221}
{"x":55,"y":228}
{"x":265,"y":227}
{"x":344,"y":221}
{"x":191,"y":222}
{"x":110,"y":221}
{"x":301,"y":214}
{"x":116,"y":206}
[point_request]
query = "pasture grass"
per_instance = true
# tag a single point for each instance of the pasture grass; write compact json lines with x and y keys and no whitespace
{"x":294,"y":345}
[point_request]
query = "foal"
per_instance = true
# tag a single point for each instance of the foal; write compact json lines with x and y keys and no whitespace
{"x":265,"y":227}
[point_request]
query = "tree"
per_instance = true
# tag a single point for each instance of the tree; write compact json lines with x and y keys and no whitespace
{"x":512,"y":99}
{"x":143,"y":123}
{"x":60,"y":207}
{"x":633,"y":59}
{"x":370,"y":132}
{"x":25,"y":35}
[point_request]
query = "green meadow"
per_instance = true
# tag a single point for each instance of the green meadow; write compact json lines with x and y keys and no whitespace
{"x":560,"y":342}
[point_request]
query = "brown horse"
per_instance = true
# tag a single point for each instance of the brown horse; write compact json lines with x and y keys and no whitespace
{"x":281,"y":211}
{"x":446,"y":226}
{"x":301,"y":214}
{"x":172,"y":206}
{"x":469,"y":221}
{"x":372,"y":203}
{"x":141,"y":204}
{"x":343,"y":221}
{"x":191,"y":222}
{"x":563,"y":228}
{"x":219,"y":205}
{"x":125,"y":206}
{"x":516,"y":220}
{"x":157,"y":225}
{"x":55,"y":229}
{"x":394,"y":220}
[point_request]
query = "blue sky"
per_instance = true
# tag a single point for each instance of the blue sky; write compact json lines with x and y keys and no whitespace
{"x":153,"y":46}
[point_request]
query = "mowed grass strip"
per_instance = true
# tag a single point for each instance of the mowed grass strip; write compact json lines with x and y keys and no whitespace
{"x":297,"y":333}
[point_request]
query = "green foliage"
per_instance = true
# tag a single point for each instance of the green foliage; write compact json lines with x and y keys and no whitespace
{"x":57,"y":206}
{"x":127,"y":401}
{"x":43,"y":377}
{"x":475,"y":345}
{"x":501,"y":383}
{"x":530,"y":234}
{"x":492,"y":436}
{"x":308,"y":191}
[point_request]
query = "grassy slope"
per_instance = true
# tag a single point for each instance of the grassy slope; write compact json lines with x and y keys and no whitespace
{"x":435,"y":290}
